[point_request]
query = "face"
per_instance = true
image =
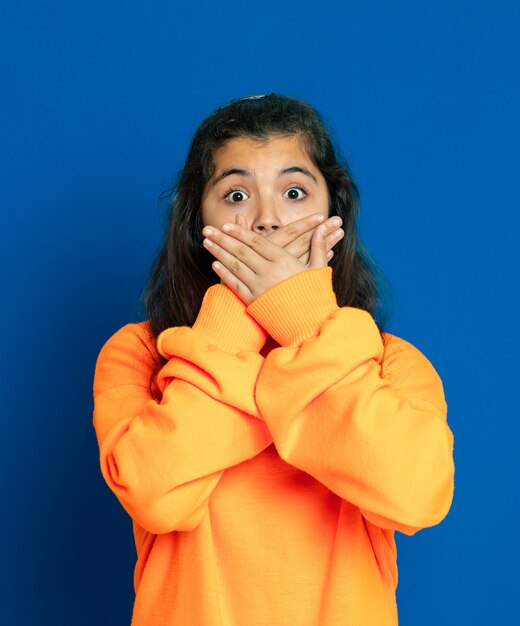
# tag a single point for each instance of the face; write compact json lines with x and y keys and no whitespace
{"x":271,"y":183}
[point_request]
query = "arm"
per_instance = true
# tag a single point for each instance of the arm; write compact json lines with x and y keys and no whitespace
{"x":162,"y":459}
{"x":367,"y":422}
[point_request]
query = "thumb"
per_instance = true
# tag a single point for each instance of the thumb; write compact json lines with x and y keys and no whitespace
{"x":318,"y":254}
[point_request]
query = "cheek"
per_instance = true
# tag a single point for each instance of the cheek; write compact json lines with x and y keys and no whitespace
{"x":326,"y":204}
{"x":323,"y":204}
{"x":214,"y":213}
{"x":207,"y":212}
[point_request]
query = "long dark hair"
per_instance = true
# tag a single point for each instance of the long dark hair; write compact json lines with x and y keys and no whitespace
{"x":182,"y":271}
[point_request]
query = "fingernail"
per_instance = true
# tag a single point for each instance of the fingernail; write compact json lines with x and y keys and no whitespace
{"x":227,"y":227}
{"x":319,"y":218}
{"x":336,"y":221}
{"x":323,"y":230}
{"x":207,"y":231}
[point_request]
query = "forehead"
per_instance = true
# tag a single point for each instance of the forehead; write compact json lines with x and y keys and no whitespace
{"x":249,"y":151}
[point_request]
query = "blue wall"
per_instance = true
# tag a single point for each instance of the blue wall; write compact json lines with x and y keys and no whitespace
{"x":99,"y":101}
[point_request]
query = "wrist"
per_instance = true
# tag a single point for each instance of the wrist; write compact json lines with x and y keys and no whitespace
{"x":223,"y":319}
{"x":294,"y":309}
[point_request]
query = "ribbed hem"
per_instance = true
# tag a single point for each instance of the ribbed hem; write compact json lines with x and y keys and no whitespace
{"x":224,"y":321}
{"x":295,"y":308}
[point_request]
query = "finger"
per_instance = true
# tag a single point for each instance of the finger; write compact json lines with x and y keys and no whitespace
{"x":239,"y":269}
{"x":305,"y":257}
{"x":234,"y":283}
{"x":318,"y":255}
{"x":301,"y":244}
{"x":334,"y":238}
{"x":247,"y":246}
{"x":289,"y":232}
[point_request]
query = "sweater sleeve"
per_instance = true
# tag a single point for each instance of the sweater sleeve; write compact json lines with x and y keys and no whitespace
{"x":367,"y":420}
{"x":163,"y":458}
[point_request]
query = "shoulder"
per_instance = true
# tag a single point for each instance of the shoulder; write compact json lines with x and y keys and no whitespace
{"x":410,"y":371}
{"x":132,"y":338}
{"x":399,"y":353}
{"x":129,"y":356}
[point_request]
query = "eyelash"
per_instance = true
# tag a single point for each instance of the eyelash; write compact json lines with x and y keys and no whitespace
{"x":301,"y":187}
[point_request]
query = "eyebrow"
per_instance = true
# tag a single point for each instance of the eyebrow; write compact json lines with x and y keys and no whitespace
{"x":241,"y":172}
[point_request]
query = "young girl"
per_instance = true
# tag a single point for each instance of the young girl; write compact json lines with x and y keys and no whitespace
{"x":264,"y":433}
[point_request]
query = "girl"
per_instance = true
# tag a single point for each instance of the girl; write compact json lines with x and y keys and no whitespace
{"x":264,"y":433}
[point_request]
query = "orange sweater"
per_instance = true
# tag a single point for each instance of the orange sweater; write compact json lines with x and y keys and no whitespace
{"x":266,"y":484}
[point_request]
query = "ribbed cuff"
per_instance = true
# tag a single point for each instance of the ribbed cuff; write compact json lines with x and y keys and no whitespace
{"x":224,"y":321}
{"x":295,"y":308}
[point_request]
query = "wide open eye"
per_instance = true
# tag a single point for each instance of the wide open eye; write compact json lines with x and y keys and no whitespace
{"x":295,"y":193}
{"x":235,"y":196}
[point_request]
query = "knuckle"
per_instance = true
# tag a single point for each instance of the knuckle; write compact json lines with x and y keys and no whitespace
{"x":255,"y":242}
{"x":240,"y":251}
{"x":235,"y":266}
{"x":291,"y":231}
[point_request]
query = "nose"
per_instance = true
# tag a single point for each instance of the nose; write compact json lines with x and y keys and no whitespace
{"x":264,"y":228}
{"x":266,"y":217}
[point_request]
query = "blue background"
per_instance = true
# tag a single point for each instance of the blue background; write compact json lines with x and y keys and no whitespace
{"x":99,"y":102}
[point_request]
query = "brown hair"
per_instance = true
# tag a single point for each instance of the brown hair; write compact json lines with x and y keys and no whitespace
{"x":182,"y":271}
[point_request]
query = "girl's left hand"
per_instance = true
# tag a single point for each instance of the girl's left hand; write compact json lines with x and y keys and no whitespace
{"x":250,"y":264}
